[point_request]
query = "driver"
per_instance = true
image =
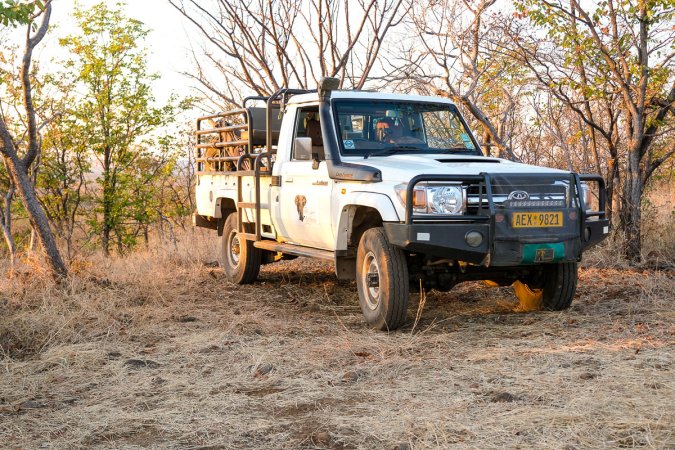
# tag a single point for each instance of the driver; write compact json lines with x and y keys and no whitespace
{"x":393,"y":131}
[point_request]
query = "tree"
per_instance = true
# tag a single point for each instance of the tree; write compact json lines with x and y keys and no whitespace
{"x":175,"y":186}
{"x":627,"y":47}
{"x":14,"y":13}
{"x":62,"y":181}
{"x":18,"y":165}
{"x":116,"y":111}
{"x":453,"y":53}
{"x":7,"y":192}
{"x":263,"y":45}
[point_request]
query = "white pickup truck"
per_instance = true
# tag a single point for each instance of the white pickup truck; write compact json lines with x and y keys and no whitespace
{"x":395,"y":190}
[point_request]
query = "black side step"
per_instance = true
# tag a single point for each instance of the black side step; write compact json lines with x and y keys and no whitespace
{"x":298,"y":250}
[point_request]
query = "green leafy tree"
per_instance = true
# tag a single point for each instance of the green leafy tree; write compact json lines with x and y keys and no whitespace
{"x":615,"y":54}
{"x":19,"y":152}
{"x":64,"y":167}
{"x":15,"y":12}
{"x":117,"y":113}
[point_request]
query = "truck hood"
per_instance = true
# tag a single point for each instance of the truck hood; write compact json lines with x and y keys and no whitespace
{"x":401,"y":168}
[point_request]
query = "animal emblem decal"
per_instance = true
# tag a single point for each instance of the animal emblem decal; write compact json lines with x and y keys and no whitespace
{"x":300,"y":202}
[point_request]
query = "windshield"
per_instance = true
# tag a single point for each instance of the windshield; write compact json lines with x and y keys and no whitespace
{"x":382,"y":127}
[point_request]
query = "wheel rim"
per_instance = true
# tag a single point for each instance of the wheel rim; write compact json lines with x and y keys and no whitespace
{"x":234,"y":246}
{"x":370,"y":279}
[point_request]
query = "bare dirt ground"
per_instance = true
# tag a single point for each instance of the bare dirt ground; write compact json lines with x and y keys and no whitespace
{"x":162,"y":352}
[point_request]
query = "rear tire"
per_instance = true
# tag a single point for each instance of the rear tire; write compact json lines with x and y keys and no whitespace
{"x":382,"y":281}
{"x":238,"y":257}
{"x":560,"y":285}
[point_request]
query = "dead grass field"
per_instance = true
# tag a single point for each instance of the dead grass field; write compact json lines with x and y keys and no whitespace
{"x":161,"y":352}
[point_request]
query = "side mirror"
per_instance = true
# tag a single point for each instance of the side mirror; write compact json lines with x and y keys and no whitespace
{"x":303,"y":148}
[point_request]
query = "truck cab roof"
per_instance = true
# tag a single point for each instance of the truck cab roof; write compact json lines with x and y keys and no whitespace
{"x":313,"y":97}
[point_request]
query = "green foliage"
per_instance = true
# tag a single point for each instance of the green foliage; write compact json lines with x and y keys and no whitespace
{"x":117,"y":114}
{"x":16,"y":12}
{"x":616,"y":29}
{"x":65,"y":164}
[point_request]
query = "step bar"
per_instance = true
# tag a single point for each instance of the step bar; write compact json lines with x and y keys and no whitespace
{"x":291,"y":249}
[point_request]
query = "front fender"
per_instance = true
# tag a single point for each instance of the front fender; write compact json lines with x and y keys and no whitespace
{"x":347,"y":206}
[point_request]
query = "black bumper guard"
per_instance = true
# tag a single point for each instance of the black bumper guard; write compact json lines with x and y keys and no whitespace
{"x":415,"y":234}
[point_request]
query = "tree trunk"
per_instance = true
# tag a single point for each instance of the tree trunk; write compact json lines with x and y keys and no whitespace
{"x":612,"y":186}
{"x":631,"y":213}
{"x":11,"y":246}
{"x":32,"y":244}
{"x":107,"y":212}
{"x":36,"y":214}
{"x":120,"y":247}
{"x":18,"y":167}
{"x":6,"y":224}
{"x":105,"y":236}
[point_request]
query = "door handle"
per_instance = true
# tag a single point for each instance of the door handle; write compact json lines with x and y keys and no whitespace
{"x":288,"y":180}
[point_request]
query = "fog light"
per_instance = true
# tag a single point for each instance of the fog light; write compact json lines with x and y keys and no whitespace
{"x":587,"y":234}
{"x":474,"y":238}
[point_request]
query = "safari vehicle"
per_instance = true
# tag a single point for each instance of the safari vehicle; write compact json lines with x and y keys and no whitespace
{"x":395,"y":191}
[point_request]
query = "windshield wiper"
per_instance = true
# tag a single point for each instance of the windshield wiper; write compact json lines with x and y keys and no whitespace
{"x":458,"y":150}
{"x":391,"y":151}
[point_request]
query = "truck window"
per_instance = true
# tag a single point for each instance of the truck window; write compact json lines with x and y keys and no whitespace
{"x":307,"y":124}
{"x":443,"y":129}
{"x":372,"y":126}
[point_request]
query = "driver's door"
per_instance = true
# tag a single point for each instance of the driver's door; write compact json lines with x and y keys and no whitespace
{"x":305,"y":193}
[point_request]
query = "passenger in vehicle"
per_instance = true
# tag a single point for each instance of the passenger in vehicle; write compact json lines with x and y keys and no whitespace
{"x":394,"y":131}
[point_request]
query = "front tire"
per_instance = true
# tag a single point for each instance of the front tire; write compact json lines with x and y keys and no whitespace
{"x":554,"y":292}
{"x":238,"y":257}
{"x":382,"y":281}
{"x":560,"y":285}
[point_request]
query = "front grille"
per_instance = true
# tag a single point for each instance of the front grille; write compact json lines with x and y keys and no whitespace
{"x":535,"y":204}
{"x":521,"y":193}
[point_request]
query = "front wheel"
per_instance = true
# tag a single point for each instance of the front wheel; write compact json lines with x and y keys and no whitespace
{"x":382,"y":281}
{"x":560,"y":285}
{"x":238,"y":257}
{"x":556,"y":289}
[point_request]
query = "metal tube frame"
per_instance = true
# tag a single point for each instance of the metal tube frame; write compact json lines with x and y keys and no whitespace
{"x":484,"y":181}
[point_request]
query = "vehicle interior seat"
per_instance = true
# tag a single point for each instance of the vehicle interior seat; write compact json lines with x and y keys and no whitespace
{"x":313,"y":131}
{"x":258,"y":126}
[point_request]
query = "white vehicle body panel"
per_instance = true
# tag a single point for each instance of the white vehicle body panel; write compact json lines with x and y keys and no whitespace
{"x":302,"y":212}
{"x":311,"y":209}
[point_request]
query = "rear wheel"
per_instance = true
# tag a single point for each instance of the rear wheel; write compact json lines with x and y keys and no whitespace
{"x":238,"y":257}
{"x":382,"y":281}
{"x":555,"y":290}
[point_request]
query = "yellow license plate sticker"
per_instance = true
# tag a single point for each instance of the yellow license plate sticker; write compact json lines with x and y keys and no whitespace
{"x":537,"y":219}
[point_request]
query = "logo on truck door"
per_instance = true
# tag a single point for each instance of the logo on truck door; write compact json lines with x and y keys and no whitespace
{"x":300,"y":202}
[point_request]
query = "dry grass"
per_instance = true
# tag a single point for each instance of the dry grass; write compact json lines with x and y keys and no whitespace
{"x":157,"y":350}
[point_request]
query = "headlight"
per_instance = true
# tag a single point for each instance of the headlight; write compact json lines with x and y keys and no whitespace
{"x":445,"y":199}
{"x":434,"y":198}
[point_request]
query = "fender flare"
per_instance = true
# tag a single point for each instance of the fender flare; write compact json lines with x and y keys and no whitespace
{"x":221,"y":199}
{"x":348,"y":205}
